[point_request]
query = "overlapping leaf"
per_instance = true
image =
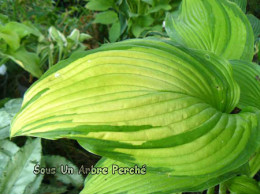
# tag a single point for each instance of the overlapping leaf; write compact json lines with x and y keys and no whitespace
{"x":216,"y":25}
{"x":145,"y":102}
{"x":243,"y":185}
{"x":255,"y":164}
{"x":255,"y":22}
{"x":241,"y":3}
{"x":150,"y":183}
{"x":247,"y":75}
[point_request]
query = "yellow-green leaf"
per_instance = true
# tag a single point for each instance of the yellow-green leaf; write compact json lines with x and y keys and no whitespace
{"x":247,"y":75}
{"x":149,"y":183}
{"x":145,"y":102}
{"x":218,"y":26}
{"x":241,"y":3}
{"x":243,"y":185}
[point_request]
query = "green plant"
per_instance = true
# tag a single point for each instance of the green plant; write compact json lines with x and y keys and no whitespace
{"x":17,"y":168}
{"x":17,"y":163}
{"x":44,"y":14}
{"x":127,"y":19}
{"x":58,"y":47}
{"x":28,"y":47}
{"x":14,"y":38}
{"x":187,"y":108}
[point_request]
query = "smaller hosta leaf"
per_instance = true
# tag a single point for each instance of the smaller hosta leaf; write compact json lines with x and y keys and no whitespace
{"x":64,"y":166}
{"x":241,"y":3}
{"x":242,"y":185}
{"x":254,"y":164}
{"x":216,"y":25}
{"x":107,"y":17}
{"x":18,"y":173}
{"x":247,"y":75}
{"x":255,"y":23}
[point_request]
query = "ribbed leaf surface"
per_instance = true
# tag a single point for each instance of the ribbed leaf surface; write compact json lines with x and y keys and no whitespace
{"x":243,"y":185}
{"x":219,"y":26}
{"x":145,"y":102}
{"x":150,"y":183}
{"x":241,"y":3}
{"x":247,"y":75}
{"x":255,"y":23}
{"x":254,"y":164}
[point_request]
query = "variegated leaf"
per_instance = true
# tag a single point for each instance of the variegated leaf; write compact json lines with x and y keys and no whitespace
{"x":150,"y":183}
{"x":219,"y":26}
{"x":145,"y":102}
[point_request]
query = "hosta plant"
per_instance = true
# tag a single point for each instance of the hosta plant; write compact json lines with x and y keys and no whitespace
{"x":180,"y":107}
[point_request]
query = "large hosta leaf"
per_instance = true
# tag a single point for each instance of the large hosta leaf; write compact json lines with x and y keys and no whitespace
{"x":219,"y":26}
{"x":150,"y":183}
{"x":145,"y":102}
